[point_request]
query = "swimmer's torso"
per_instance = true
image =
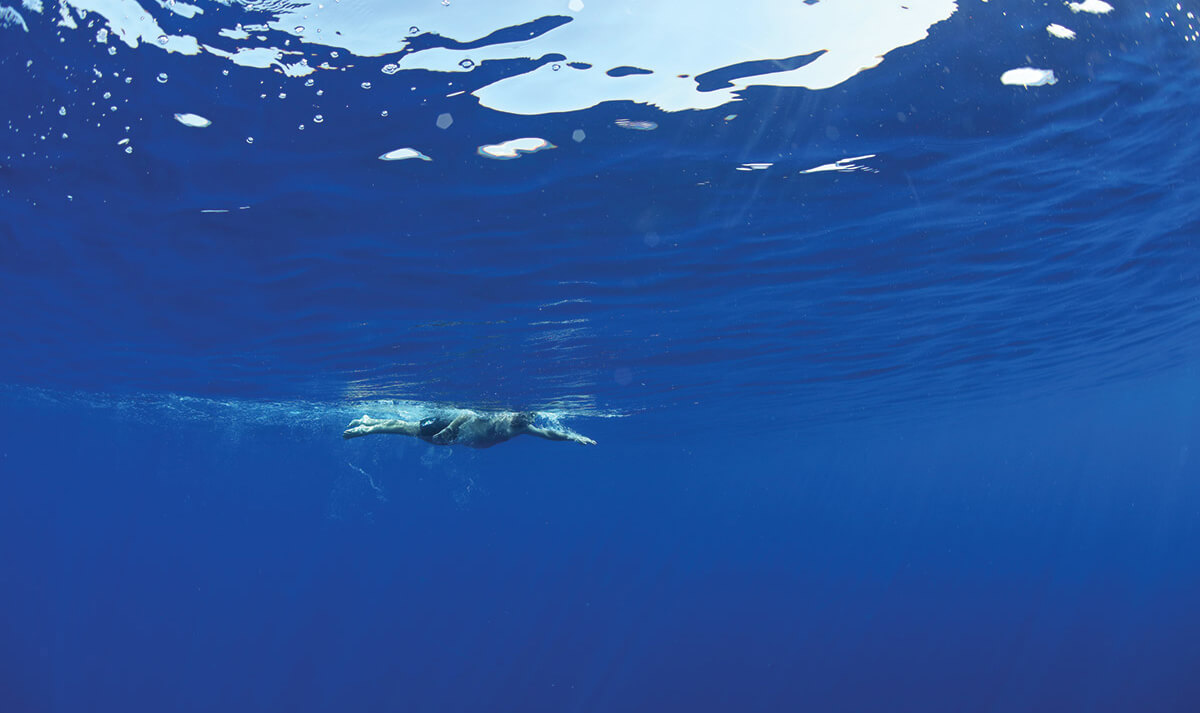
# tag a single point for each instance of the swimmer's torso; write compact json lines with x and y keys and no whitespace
{"x":477,"y":431}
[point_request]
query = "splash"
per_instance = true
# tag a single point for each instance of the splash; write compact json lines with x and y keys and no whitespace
{"x":242,"y":414}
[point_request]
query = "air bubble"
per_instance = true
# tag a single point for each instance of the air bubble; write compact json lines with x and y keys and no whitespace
{"x":249,"y":139}
{"x":225,"y":72}
{"x":62,"y":111}
{"x":129,"y":80}
{"x":162,"y":40}
{"x":301,"y":127}
{"x":112,"y":50}
{"x":283,"y":95}
{"x":390,"y":68}
{"x":466,"y":64}
{"x":413,"y":30}
{"x":299,"y":29}
{"x":366,"y":85}
{"x":320,"y":92}
{"x":308,"y":82}
{"x":333,"y":54}
{"x":128,"y":149}
{"x":444,"y":121}
{"x":318,"y":119}
{"x":108,"y":95}
{"x":162,"y":77}
{"x":556,"y":67}
{"x":383,"y":113}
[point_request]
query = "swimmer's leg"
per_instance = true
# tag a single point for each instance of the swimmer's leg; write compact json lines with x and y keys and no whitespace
{"x":367,"y":426}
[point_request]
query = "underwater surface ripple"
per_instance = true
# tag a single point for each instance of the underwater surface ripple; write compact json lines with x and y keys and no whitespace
{"x":993,"y":238}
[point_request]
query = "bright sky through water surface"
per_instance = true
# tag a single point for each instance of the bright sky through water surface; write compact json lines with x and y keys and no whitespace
{"x":730,"y":150}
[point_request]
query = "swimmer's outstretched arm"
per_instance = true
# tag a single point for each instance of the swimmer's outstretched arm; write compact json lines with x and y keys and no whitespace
{"x":551,"y":434}
{"x":367,"y":426}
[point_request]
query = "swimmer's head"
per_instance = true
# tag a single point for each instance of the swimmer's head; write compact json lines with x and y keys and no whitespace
{"x":523,"y":419}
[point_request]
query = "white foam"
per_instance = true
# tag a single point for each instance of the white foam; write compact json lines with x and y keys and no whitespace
{"x":193,"y":120}
{"x":1095,"y":7}
{"x":402,"y":154}
{"x":11,"y":18}
{"x":299,"y":69}
{"x":1060,"y":32}
{"x":65,"y":20}
{"x":261,"y":57}
{"x":1028,"y":77}
{"x":844,"y":165}
{"x":181,"y":8}
{"x":636,"y":125}
{"x":131,"y":24}
{"x":514,"y":148}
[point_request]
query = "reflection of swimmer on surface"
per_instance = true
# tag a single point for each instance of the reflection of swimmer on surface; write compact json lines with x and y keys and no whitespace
{"x":463,"y":426}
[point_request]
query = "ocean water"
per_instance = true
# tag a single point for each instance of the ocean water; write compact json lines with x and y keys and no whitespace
{"x":885,"y":318}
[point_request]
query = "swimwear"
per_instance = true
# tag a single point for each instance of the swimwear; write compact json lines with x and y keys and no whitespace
{"x":433,"y":425}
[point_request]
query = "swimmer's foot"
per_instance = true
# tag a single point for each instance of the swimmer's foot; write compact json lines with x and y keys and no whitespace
{"x":360,"y":427}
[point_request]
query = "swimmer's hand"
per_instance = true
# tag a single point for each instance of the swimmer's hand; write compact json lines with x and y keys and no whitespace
{"x":582,"y":439}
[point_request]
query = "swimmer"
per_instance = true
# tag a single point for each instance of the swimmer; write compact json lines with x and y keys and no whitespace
{"x":464,"y":427}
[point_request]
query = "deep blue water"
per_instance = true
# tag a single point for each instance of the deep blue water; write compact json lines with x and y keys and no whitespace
{"x":916,"y":437}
